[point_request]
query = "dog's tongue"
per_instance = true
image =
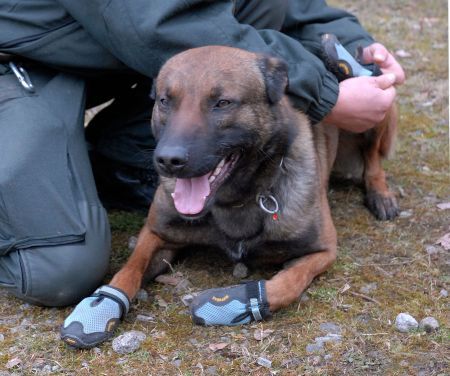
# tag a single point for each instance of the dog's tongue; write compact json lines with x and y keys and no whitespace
{"x":190,"y":194}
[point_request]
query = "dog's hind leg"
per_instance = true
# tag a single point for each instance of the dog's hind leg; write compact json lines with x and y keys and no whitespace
{"x":379,"y":199}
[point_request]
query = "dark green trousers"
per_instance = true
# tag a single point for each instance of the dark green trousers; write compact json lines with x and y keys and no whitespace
{"x":54,"y":232}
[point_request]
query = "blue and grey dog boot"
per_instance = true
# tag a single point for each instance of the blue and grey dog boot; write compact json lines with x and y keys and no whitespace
{"x":94,"y":319}
{"x":234,"y":305}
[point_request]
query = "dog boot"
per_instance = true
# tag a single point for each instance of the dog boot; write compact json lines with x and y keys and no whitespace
{"x":232,"y":305}
{"x":94,"y":319}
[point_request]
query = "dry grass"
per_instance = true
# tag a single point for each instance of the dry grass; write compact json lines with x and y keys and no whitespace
{"x":390,"y":254}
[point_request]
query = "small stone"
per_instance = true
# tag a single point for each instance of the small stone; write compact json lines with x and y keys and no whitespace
{"x":132,"y":241}
{"x":429,"y":324}
{"x":304,"y":298}
{"x":13,"y":363}
{"x":404,"y":322}
{"x":368,"y":288}
{"x":97,"y":350}
{"x":329,"y":338}
{"x":443,"y":293}
{"x":240,"y":271}
{"x":314,"y":347}
{"x":128,"y":342}
{"x":177,"y":363}
{"x":2,"y":337}
{"x":142,"y":295}
{"x":187,"y":299}
{"x":145,"y":318}
{"x":211,"y":370}
{"x":327,"y":357}
{"x":432,"y":250}
{"x":406,"y":213}
{"x":404,"y":363}
{"x":264,"y":362}
{"x":330,"y":328}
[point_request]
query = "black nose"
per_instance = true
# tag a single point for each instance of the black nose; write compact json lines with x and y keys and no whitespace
{"x":171,"y":159}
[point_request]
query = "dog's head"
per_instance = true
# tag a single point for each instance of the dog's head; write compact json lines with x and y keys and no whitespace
{"x":214,"y":108}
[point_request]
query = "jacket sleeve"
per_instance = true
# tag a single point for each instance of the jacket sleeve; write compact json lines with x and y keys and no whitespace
{"x":307,"y":20}
{"x":143,"y":34}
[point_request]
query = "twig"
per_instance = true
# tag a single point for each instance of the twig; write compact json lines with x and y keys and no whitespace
{"x":373,"y":334}
{"x":365,"y":297}
{"x":388,"y":264}
{"x":170,"y":265}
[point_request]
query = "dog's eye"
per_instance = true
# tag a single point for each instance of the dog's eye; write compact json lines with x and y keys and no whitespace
{"x":164,"y":102}
{"x":222,"y":103}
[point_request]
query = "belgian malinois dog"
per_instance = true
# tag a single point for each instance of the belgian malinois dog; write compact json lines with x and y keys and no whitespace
{"x":242,"y":171}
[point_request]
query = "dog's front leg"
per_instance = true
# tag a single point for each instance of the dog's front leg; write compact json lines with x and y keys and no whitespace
{"x":95,"y":318}
{"x":129,"y":278}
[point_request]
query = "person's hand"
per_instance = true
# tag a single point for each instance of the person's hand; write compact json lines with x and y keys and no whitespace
{"x":362,"y":102}
{"x":378,"y":54}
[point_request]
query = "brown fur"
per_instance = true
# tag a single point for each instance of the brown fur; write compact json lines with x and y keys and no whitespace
{"x":286,"y":157}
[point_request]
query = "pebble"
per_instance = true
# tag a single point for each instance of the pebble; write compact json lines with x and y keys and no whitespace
{"x":264,"y":362}
{"x":429,"y":324}
{"x":145,"y":318}
{"x":128,"y":342}
{"x":132,"y":241}
{"x":367,"y":289}
{"x":142,"y":295}
{"x":211,"y":370}
{"x":432,"y":250}
{"x":404,"y":322}
{"x":443,"y":293}
{"x":406,"y":213}
{"x":314,"y":347}
{"x":2,"y":337}
{"x":330,"y":328}
{"x":240,"y":271}
{"x":187,"y":299}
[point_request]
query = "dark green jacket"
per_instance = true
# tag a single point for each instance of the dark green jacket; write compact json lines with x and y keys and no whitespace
{"x":106,"y":35}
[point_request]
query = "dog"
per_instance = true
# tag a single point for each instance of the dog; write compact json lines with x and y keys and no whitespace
{"x":242,"y":171}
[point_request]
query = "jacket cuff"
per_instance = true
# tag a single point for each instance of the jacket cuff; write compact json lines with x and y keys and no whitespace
{"x":328,"y":98}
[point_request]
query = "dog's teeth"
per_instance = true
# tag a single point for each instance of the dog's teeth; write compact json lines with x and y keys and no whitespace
{"x":212,"y":178}
{"x":173,"y":195}
{"x":222,"y":162}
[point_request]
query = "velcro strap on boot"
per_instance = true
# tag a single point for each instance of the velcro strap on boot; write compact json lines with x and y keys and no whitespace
{"x":115,"y":294}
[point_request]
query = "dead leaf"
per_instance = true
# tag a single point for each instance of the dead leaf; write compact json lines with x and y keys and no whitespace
{"x":217,"y":346}
{"x":13,"y":362}
{"x":259,"y":334}
{"x":444,"y":205}
{"x":444,"y":241}
{"x":345,"y":288}
{"x":161,"y":302}
{"x":169,"y":279}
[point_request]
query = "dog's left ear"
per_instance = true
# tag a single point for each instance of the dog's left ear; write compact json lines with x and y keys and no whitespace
{"x":275,"y":73}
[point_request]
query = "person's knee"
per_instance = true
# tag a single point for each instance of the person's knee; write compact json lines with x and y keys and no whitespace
{"x":62,"y":275}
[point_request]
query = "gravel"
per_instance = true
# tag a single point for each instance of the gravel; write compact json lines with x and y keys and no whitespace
{"x":240,"y":271}
{"x":128,"y":342}
{"x":142,"y":295}
{"x":429,"y":324}
{"x":330,"y":328}
{"x":404,"y":322}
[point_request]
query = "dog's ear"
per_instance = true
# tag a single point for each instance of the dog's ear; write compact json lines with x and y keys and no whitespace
{"x":275,"y":73}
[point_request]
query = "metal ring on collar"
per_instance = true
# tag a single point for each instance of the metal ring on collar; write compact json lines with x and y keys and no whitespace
{"x":262,"y":199}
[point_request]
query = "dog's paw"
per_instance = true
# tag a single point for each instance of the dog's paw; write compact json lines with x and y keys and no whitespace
{"x":95,"y":318}
{"x":383,"y":206}
{"x":233,"y":305}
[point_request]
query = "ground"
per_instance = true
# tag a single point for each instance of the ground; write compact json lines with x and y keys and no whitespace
{"x":383,"y":268}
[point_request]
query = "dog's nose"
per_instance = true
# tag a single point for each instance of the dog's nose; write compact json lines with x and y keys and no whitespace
{"x":171,"y":159}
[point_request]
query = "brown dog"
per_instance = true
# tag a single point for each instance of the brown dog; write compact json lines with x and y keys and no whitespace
{"x":244,"y":172}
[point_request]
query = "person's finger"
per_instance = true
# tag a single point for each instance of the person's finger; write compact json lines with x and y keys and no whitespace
{"x":389,"y":95}
{"x":385,"y":81}
{"x":375,"y":53}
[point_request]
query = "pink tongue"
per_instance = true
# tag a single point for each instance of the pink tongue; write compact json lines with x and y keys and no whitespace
{"x":190,"y":194}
